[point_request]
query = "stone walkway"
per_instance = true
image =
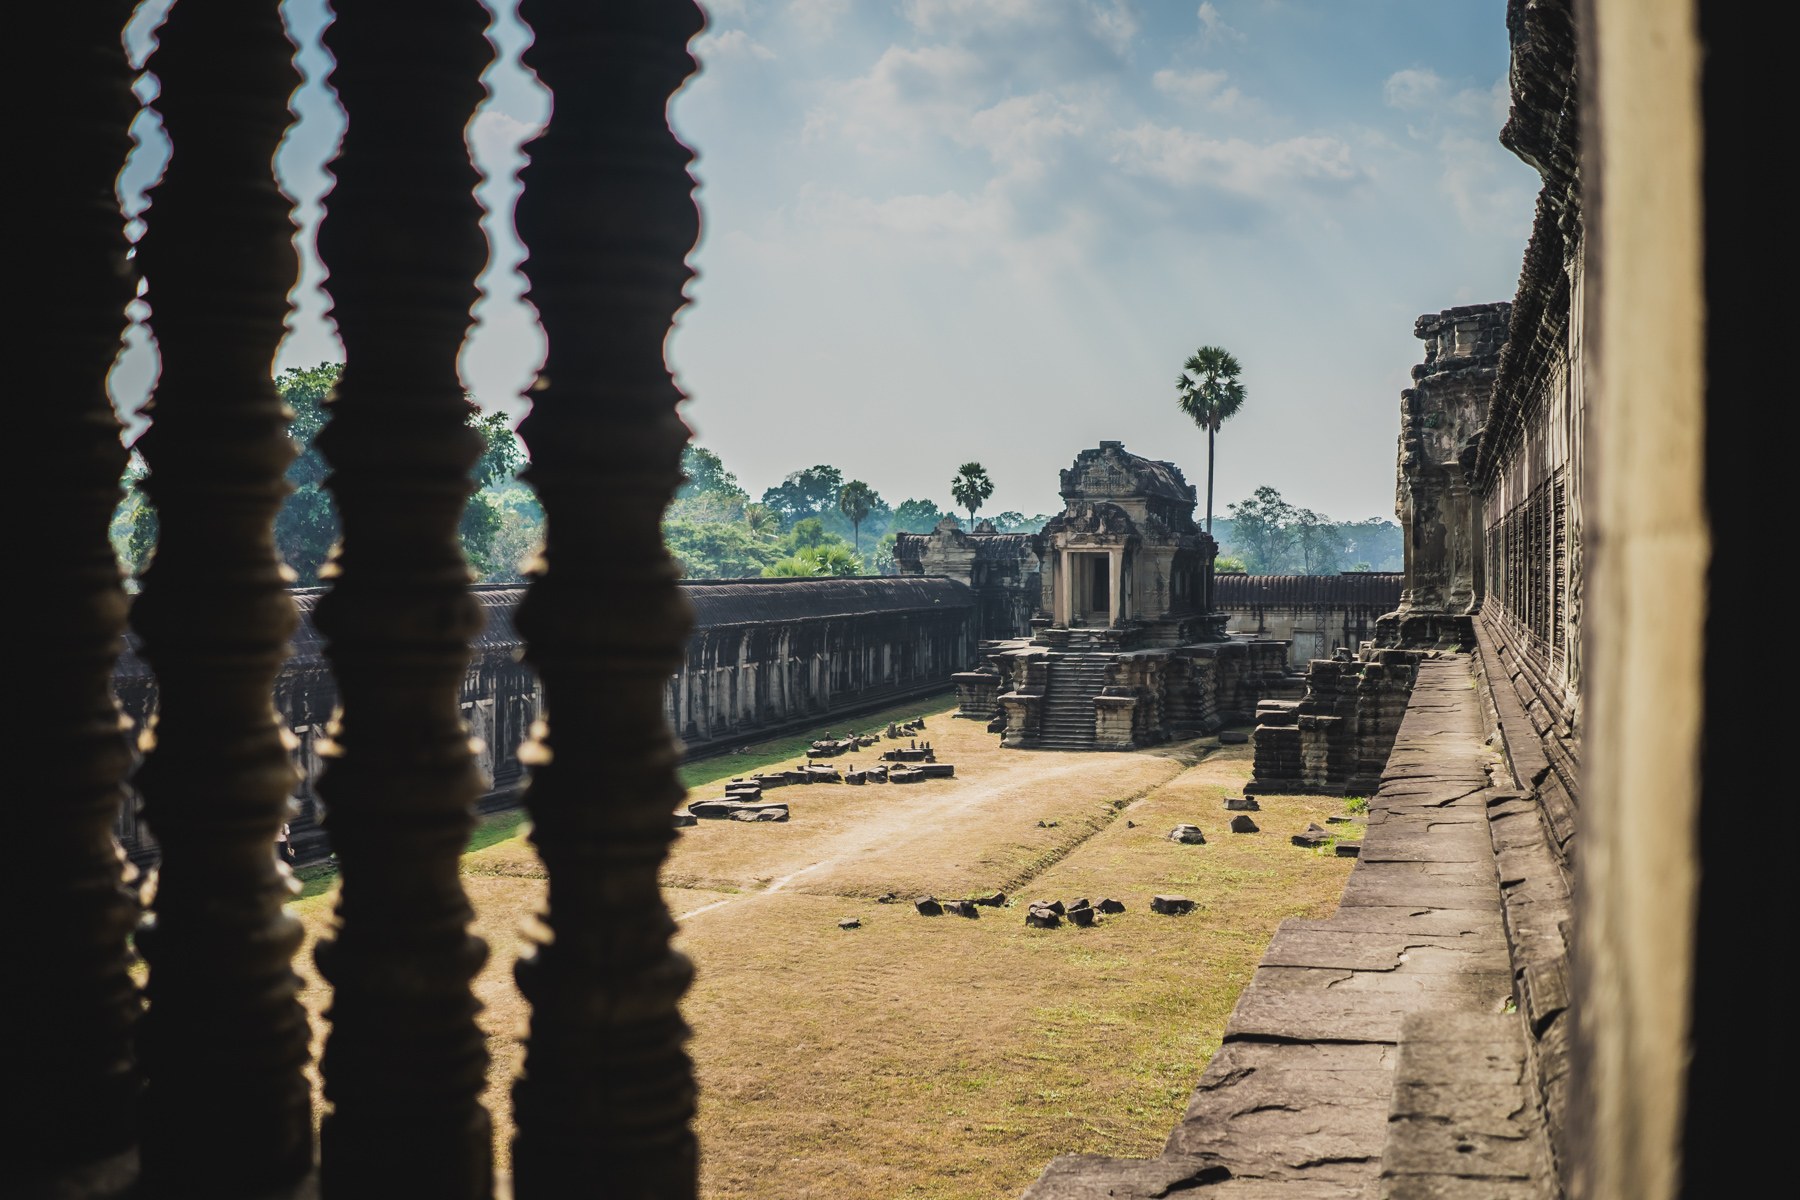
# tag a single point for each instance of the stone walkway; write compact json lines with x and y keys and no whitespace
{"x":1373,"y":1055}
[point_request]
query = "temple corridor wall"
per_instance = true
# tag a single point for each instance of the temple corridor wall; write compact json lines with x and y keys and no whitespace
{"x":1314,"y":614}
{"x":765,"y":654}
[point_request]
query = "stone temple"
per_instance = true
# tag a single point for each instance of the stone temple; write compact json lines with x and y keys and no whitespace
{"x":1126,"y":648}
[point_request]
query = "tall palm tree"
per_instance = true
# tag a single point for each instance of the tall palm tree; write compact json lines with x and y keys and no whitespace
{"x":855,"y":499}
{"x":970,"y":487}
{"x":1208,"y":391}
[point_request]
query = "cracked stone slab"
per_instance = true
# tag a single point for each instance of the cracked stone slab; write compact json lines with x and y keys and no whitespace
{"x":1472,"y":991}
{"x":1386,"y":951}
{"x":1407,"y":920}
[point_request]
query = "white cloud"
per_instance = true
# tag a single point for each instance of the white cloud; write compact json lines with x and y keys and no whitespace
{"x":1413,"y":88}
{"x":729,"y":44}
{"x":1213,"y":27}
{"x":717,"y":10}
{"x":819,"y":16}
{"x":1420,"y":89}
{"x":1263,"y":171}
{"x":1206,"y":88}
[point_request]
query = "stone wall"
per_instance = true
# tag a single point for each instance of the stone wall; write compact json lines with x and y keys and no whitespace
{"x":1335,"y":739}
{"x":768,"y":654}
{"x":765,"y":654}
{"x":1001,"y":568}
{"x":1442,"y":418}
{"x":1314,"y":614}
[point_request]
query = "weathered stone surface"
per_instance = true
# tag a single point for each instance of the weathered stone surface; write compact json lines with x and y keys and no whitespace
{"x":1242,"y":804}
{"x":1171,"y":905}
{"x":991,"y":900}
{"x":928,"y":906}
{"x":682,"y":820}
{"x":1243,"y":824}
{"x":764,"y":813}
{"x":1108,"y":905}
{"x":850,"y":923}
{"x":1188,"y":835}
{"x":1042,"y":917}
{"x":1082,"y":915}
{"x":1348,"y":849}
{"x":961,"y":908}
{"x":1311,"y":837}
{"x":1234,"y":737}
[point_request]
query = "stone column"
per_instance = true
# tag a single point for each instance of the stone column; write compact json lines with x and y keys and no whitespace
{"x":1115,"y":599}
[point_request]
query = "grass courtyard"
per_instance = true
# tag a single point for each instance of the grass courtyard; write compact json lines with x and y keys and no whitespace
{"x":936,"y":1057}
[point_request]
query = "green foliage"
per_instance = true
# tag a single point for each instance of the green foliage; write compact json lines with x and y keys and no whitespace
{"x":884,"y":554}
{"x":803,"y":494}
{"x":1229,"y":565}
{"x":971,"y":487}
{"x":307,"y":527}
{"x":917,"y":516}
{"x":717,"y":549}
{"x":1269,"y":536}
{"x":832,"y":558}
{"x":1357,"y":804}
{"x":706,"y":473}
{"x":1207,"y":390}
{"x":1262,"y":529}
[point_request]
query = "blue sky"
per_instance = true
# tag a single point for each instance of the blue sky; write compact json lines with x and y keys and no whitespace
{"x":942,"y":230}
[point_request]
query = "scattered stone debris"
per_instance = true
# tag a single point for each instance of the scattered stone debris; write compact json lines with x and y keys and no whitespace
{"x":888,"y":898}
{"x":1081,"y":913}
{"x":1189,"y":835}
{"x":1048,"y":824}
{"x":1243,"y":824}
{"x":928,"y":906}
{"x":849,"y":923}
{"x":1108,"y":905}
{"x":1055,"y":906}
{"x":684,"y":819}
{"x":1340,"y":820}
{"x":1043,"y":918}
{"x":1242,"y":804}
{"x":830,"y":747}
{"x":1233,"y":737}
{"x":1349,"y":849}
{"x":996,"y":900}
{"x":1312,"y":837}
{"x":998,"y":724}
{"x":961,"y":908}
{"x":1131,"y":824}
{"x":1174,"y":906}
{"x":905,"y":775}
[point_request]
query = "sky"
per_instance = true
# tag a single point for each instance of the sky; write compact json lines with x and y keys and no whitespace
{"x":936,"y":231}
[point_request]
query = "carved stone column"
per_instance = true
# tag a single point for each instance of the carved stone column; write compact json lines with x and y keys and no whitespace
{"x":405,"y":1062}
{"x":72,"y":1005}
{"x":226,"y":1110}
{"x":607,"y":1094}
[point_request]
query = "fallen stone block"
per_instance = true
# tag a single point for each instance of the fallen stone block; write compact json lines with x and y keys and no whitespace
{"x":905,"y":775}
{"x":1082,"y":915}
{"x":1108,"y":905}
{"x":937,"y":770}
{"x":1189,"y":835}
{"x":1055,"y":906}
{"x":928,"y":906}
{"x":1312,"y":837}
{"x":1174,"y":906}
{"x":1042,"y":918}
{"x":888,"y":898}
{"x":685,"y":819}
{"x":849,"y":923}
{"x":1048,"y":824}
{"x":1241,"y":804}
{"x":1349,"y":849}
{"x":725,"y":810}
{"x":1233,"y":737}
{"x":996,"y":900}
{"x":761,"y":814}
{"x":1243,"y":824}
{"x":961,"y":908}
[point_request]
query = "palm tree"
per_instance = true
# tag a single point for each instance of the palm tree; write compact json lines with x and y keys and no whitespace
{"x":970,"y":487}
{"x":1208,"y":391}
{"x":761,"y":520}
{"x":855,"y":499}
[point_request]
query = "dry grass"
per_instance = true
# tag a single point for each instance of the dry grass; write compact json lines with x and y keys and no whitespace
{"x":943,"y":1057}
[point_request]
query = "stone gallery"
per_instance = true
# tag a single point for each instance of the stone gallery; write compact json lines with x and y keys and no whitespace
{"x":1533,"y":985}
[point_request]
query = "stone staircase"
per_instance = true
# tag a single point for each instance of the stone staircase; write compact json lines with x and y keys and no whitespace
{"x":1068,"y":714}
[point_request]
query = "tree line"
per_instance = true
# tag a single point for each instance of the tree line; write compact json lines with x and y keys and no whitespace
{"x":814,"y":522}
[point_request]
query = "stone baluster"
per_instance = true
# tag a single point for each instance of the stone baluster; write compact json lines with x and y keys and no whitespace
{"x":226,"y":1108}
{"x":71,"y":1005}
{"x":607,"y":1096}
{"x":405,"y":1062}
